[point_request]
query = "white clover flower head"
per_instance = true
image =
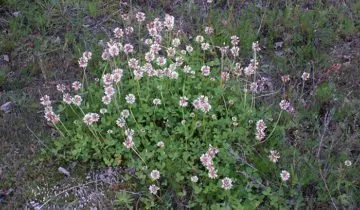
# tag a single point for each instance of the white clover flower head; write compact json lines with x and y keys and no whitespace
{"x":189,"y":48}
{"x":103,"y":111}
{"x":194,"y":179}
{"x":235,"y":51}
{"x":171,"y":52}
{"x":183,"y":102}
{"x":87,"y":55}
{"x":234,"y":119}
{"x":108,"y":79}
{"x":347,"y":163}
{"x":205,"y":46}
{"x":155,"y":174}
{"x":305,"y":76}
{"x":175,"y":42}
{"x":214,"y":117}
{"x":174,"y":75}
{"x":148,"y":41}
{"x":192,"y":115}
{"x":199,"y":39}
{"x":125,"y":113}
{"x":285,"y":175}
{"x":153,"y":189}
{"x":254,"y":87}
{"x":274,"y":156}
{"x":212,"y":173}
{"x":209,"y":30}
{"x":129,"y":132}
{"x":109,"y":131}
{"x":133,"y":63}
{"x":183,"y":122}
{"x":169,"y":22}
{"x":129,"y":30}
{"x":226,"y":183}
{"x":205,"y":70}
{"x":256,"y":46}
{"x":130,"y":98}
{"x":128,"y":143}
{"x":156,"y":101}
{"x":209,"y":1}
{"x":121,"y":122}
{"x":77,"y":100}
{"x":160,"y":144}
{"x":183,"y":52}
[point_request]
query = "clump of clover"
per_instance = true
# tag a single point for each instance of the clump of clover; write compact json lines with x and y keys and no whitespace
{"x":178,"y":113}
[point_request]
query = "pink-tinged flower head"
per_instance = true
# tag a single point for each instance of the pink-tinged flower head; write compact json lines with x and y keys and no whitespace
{"x":226,"y":183}
{"x":108,"y":79}
{"x":109,"y":91}
{"x":105,"y":55}
{"x":305,"y":76}
{"x":235,"y":40}
{"x":113,"y":50}
{"x":91,"y":118}
{"x":169,"y":22}
{"x":171,"y":52}
{"x":183,"y":102}
{"x":202,"y":104}
{"x":45,"y":100}
{"x":117,"y":75}
{"x":212,"y":174}
{"x":256,"y":46}
{"x":130,"y":98}
{"x":128,"y":143}
{"x":77,"y":100}
{"x":225,"y":76}
{"x":155,"y":174}
{"x":260,"y":130}
{"x":67,"y":98}
{"x":83,"y":62}
{"x":106,"y":99}
{"x":118,"y":33}
{"x":154,"y":189}
{"x":129,"y":30}
{"x":284,"y":105}
{"x":61,"y":87}
{"x":87,"y":55}
{"x":128,"y":48}
{"x":76,"y":85}
{"x":161,"y":61}
{"x":212,"y":151}
{"x":50,"y":116}
{"x":274,"y":156}
{"x":133,"y":63}
{"x":224,"y":49}
{"x":285,"y":175}
{"x":205,"y":70}
{"x":206,"y":160}
{"x":235,"y":51}
{"x":179,"y":61}
{"x":140,"y":16}
{"x":148,"y":41}
{"x":285,"y":78}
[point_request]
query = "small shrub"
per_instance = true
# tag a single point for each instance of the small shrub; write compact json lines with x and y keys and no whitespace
{"x":182,"y":115}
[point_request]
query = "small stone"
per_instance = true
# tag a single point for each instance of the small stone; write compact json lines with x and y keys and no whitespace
{"x":6,"y":107}
{"x":63,"y":171}
{"x":6,"y":58}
